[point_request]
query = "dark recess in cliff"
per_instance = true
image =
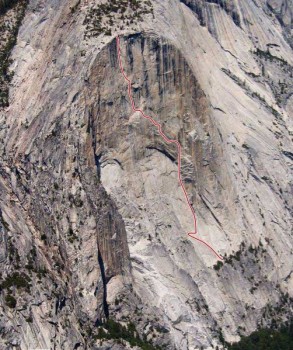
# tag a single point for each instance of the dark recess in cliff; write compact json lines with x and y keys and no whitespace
{"x":104,"y":280}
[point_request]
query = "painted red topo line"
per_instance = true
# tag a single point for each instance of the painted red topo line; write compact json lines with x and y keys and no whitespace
{"x":158,"y":125}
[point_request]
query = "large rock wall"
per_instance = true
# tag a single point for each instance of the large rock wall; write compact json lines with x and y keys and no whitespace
{"x":91,"y":210}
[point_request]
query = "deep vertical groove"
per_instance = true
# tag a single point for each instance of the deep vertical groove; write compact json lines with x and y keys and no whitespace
{"x":103,"y":275}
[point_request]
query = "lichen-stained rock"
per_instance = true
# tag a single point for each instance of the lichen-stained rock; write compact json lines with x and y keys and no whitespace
{"x":93,"y":221}
{"x":283,"y":10}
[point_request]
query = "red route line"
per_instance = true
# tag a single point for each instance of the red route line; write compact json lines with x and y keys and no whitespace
{"x":159,"y":126}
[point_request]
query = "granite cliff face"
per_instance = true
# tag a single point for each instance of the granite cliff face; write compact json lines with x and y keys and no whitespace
{"x":93,"y":221}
